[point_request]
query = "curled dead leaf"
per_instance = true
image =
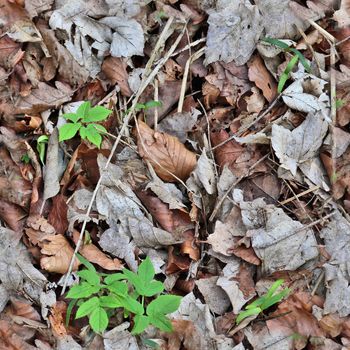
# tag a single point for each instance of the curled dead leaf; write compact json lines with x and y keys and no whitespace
{"x":96,"y":256}
{"x":169,"y":157}
{"x":57,"y":319}
{"x":59,"y":254}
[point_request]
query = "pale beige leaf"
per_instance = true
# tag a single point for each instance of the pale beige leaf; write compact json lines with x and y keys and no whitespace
{"x":166,"y":153}
{"x":59,"y":254}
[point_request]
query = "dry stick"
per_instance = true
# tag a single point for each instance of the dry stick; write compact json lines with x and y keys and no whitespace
{"x":218,"y":205}
{"x":156,"y":99}
{"x":300,"y":195}
{"x":250,"y":125}
{"x":143,"y":86}
{"x":191,"y":59}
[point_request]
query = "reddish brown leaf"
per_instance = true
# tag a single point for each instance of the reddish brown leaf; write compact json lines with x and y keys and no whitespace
{"x":115,"y":70}
{"x":38,"y":228}
{"x":95,"y":255}
{"x":57,"y":319}
{"x":58,"y":214}
{"x":262,"y":78}
{"x":166,"y":153}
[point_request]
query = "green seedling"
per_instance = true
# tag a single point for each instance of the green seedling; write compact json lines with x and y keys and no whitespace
{"x":339,"y":103}
{"x":264,"y":302}
{"x":25,"y":158}
{"x":298,"y":56}
{"x":145,"y":106}
{"x":97,"y":296}
{"x":84,"y":122}
{"x":41,"y":147}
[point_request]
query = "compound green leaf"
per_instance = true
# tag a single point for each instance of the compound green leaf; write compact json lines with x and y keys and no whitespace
{"x":68,"y":131}
{"x":140,"y":324}
{"x":110,"y":301}
{"x":146,"y":270}
{"x":71,"y":116}
{"x":153,"y":288}
{"x":96,"y":114}
{"x":98,"y":320}
{"x":161,"y":322}
{"x":90,"y":276}
{"x":164,"y":304}
{"x":87,"y":307}
{"x":93,"y":135}
{"x":82,"y":290}
{"x":83,"y":109}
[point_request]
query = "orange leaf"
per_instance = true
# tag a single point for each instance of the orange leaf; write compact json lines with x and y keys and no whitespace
{"x":96,"y":256}
{"x":165,"y":152}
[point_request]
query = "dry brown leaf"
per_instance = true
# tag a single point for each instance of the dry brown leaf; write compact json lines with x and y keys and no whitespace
{"x":59,"y":253}
{"x":43,"y":98}
{"x":58,"y":214}
{"x":115,"y":70}
{"x":166,"y":153}
{"x":38,"y":228}
{"x":57,"y":319}
{"x":96,"y":256}
{"x":184,"y":333}
{"x":262,"y":78}
{"x":13,"y":215}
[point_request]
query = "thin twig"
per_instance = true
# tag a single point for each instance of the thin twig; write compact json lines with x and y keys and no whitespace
{"x":156,"y":109}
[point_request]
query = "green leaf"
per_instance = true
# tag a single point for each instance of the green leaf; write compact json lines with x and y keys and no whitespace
{"x":273,"y":288}
{"x":93,"y":135}
{"x":82,"y":132}
{"x":25,"y":158}
{"x":146,"y":270}
{"x":285,"y":75}
{"x":98,"y":320}
{"x":90,"y":276}
{"x":135,"y":280}
{"x":153,"y":288}
{"x":152,"y":104}
{"x":140,"y":324}
{"x":302,"y":59}
{"x":87,"y":307}
{"x":275,"y":299}
{"x":69,"y":310}
{"x":257,"y":303}
{"x":139,"y":106}
{"x":164,"y":304}
{"x":82,"y":290}
{"x":244,"y":314}
{"x":100,"y":128}
{"x":86,"y":263}
{"x":41,"y":147}
{"x":161,"y":322}
{"x":119,"y":288}
{"x":150,"y":343}
{"x":131,"y":304}
{"x":96,"y":114}
{"x":83,"y":109}
{"x":114,"y":277}
{"x":110,"y":301}
{"x":71,"y":116}
{"x":68,"y":131}
{"x":277,"y":43}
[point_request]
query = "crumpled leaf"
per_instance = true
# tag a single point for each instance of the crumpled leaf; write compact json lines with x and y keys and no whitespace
{"x":204,"y":173}
{"x":38,"y":228}
{"x":306,"y":94}
{"x":337,"y":241}
{"x":234,"y":30}
{"x":59,"y":254}
{"x":228,"y":282}
{"x":119,"y":338}
{"x":120,"y":35}
{"x":166,"y":153}
{"x":166,"y":192}
{"x":179,"y":124}
{"x":35,"y":7}
{"x":16,"y":270}
{"x":43,"y":98}
{"x":301,"y":144}
{"x":213,"y":294}
{"x":279,"y":241}
{"x":96,"y":256}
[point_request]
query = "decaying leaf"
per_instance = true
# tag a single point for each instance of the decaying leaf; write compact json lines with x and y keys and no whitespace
{"x":59,"y":254}
{"x":166,"y":153}
{"x":119,"y":338}
{"x":301,"y":144}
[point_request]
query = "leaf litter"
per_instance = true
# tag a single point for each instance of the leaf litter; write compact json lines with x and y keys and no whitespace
{"x":228,"y":184}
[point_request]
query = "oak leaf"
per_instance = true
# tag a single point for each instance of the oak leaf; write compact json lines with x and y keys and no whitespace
{"x":168,"y":156}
